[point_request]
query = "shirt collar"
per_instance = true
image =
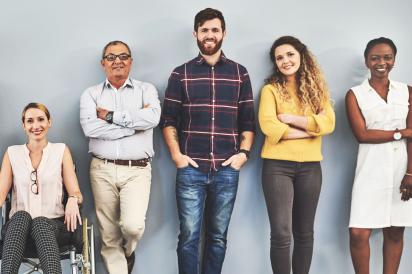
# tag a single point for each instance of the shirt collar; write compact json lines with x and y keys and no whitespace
{"x":200,"y":60}
{"x":127,"y":83}
{"x":368,"y":86}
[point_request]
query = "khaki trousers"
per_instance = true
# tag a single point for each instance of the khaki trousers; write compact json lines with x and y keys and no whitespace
{"x":121,"y":198}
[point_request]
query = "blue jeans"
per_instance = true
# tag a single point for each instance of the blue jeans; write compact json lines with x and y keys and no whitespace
{"x":209,"y":198}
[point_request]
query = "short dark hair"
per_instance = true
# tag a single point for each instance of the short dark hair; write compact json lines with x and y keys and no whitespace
{"x":35,"y":105}
{"x":380,"y":40}
{"x":206,"y":15}
{"x":114,"y":43}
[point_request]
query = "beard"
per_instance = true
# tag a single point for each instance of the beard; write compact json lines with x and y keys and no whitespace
{"x":205,"y":50}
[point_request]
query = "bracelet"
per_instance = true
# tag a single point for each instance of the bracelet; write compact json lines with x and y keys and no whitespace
{"x":408,"y":174}
{"x":74,"y":196}
{"x":244,"y":151}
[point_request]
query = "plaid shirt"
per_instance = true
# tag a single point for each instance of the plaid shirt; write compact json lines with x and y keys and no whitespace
{"x":209,"y":106}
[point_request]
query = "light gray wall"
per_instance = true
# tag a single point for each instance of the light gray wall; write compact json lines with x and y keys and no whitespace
{"x":50,"y":50}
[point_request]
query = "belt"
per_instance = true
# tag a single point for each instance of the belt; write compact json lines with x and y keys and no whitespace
{"x":140,"y":162}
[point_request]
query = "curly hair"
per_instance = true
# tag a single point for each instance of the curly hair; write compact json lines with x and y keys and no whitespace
{"x":312,"y":88}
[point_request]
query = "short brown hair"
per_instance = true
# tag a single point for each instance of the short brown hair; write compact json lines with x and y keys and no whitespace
{"x":209,"y":14}
{"x":35,"y":105}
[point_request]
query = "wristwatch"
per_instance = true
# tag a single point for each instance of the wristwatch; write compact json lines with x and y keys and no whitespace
{"x":109,"y":117}
{"x":397,"y":135}
{"x":245,"y":151}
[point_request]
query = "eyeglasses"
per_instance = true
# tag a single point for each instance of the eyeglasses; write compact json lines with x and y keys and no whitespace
{"x":34,"y":185}
{"x":112,"y":57}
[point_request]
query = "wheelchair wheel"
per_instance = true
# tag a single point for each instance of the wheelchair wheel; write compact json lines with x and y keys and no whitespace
{"x":86,"y":250}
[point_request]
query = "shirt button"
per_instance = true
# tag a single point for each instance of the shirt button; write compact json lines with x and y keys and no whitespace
{"x":213,"y":118}
{"x":211,"y":153}
{"x":213,"y":101}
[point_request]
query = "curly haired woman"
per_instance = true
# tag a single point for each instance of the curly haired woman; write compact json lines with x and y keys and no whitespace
{"x":294,"y":113}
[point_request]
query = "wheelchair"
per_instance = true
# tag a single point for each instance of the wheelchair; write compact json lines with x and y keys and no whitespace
{"x":79,"y":249}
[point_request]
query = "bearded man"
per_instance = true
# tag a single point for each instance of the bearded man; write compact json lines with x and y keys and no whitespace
{"x":208,"y":124}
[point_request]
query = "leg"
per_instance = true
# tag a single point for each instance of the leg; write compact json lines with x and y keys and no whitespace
{"x":44,"y":233}
{"x":17,"y":230}
{"x":359,"y":249}
{"x":221,"y":195}
{"x":392,"y":249}
{"x":277,"y":182}
{"x":190,"y":196}
{"x":308,"y":182}
{"x":134,"y":185}
{"x":106,"y":200}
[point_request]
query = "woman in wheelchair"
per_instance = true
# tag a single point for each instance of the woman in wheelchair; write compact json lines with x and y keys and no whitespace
{"x":36,"y":172}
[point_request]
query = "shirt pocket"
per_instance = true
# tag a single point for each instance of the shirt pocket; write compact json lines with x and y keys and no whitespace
{"x":400,"y":110}
{"x":375,"y":114}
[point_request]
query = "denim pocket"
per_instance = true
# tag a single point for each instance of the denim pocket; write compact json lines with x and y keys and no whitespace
{"x":181,"y":168}
{"x":230,"y":166}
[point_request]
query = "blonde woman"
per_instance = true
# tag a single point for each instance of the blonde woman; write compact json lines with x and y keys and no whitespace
{"x":36,"y":172}
{"x":294,"y":113}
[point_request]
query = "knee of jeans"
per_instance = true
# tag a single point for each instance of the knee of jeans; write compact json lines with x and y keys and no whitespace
{"x":217,"y":238}
{"x":188,"y":234}
{"x":133,"y":230}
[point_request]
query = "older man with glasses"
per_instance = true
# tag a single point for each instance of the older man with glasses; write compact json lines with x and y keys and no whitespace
{"x":118,"y":116}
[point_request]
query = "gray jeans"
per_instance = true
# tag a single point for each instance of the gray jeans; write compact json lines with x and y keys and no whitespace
{"x":291,"y":192}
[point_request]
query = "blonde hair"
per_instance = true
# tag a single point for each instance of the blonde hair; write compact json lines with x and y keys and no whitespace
{"x":35,"y":105}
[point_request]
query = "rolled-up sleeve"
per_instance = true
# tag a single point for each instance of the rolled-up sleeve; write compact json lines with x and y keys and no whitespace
{"x":172,"y":104}
{"x":95,"y":127}
{"x":323,"y":123}
{"x":269,"y":123}
{"x":144,"y":118}
{"x":246,"y":112}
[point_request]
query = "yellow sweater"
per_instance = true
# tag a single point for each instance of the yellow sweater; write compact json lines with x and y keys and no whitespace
{"x":298,"y":150}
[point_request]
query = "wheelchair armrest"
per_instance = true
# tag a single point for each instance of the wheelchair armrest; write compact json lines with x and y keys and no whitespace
{"x":5,"y":210}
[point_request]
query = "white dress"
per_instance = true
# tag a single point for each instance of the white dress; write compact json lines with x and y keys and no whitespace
{"x":376,"y":200}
